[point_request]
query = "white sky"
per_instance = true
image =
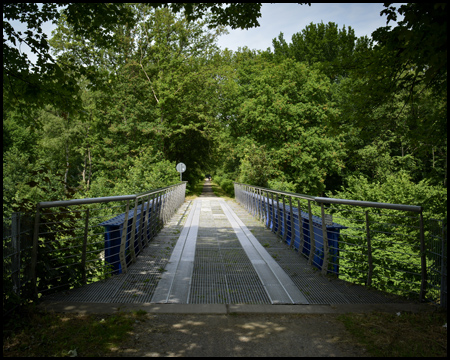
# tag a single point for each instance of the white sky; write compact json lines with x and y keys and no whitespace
{"x":287,"y":18}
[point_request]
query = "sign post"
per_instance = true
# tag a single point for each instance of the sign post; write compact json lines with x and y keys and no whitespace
{"x":181,"y":168}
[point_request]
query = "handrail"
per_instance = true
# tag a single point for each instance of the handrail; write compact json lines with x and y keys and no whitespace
{"x":296,"y":195}
{"x":402,"y":207}
{"x":59,"y":203}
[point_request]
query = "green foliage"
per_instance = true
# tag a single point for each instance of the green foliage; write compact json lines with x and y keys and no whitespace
{"x":47,"y":82}
{"x":27,"y":183}
{"x":394,"y":234}
{"x":323,"y":46}
{"x":419,"y":41}
{"x":146,"y":173}
{"x":236,"y":15}
{"x":226,"y":184}
{"x":397,"y":189}
{"x":256,"y":166}
{"x":284,"y":111}
{"x":282,"y":185}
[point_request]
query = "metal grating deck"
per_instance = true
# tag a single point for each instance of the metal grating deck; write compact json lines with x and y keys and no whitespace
{"x":218,"y":269}
{"x":222,"y":271}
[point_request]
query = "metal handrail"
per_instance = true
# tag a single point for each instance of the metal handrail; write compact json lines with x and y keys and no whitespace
{"x":296,"y":195}
{"x":402,"y":207}
{"x":62,"y":203}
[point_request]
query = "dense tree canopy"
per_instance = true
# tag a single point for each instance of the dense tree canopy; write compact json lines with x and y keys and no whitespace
{"x":122,"y":92}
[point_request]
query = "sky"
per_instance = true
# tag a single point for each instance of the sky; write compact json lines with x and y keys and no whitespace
{"x":289,"y":18}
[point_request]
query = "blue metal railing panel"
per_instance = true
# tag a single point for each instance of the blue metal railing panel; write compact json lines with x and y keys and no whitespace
{"x":260,"y":203}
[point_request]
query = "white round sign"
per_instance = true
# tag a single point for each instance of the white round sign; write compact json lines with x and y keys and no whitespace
{"x":181,"y":168}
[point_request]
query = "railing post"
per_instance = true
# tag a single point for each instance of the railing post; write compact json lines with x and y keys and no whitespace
{"x":300,"y":228}
{"x":258,"y":204}
{"x":325,"y":241}
{"x":369,"y":251}
{"x":172,"y":202}
{"x":284,"y":221}
{"x":146,"y":227}
{"x":278,"y":215}
{"x":133,"y":232}
{"x":247,"y":204}
{"x":140,"y":229}
{"x":163,"y":200}
{"x":160,"y":211}
{"x":273,"y":213}
{"x":83,"y":251}
{"x":312,"y":244}
{"x":164,"y":207}
{"x":15,"y":242}
{"x":443,"y":298}
{"x":256,"y":200}
{"x":154,"y":215}
{"x":291,"y":243}
{"x":423,"y":257}
{"x":123,"y":243}
{"x":263,"y":205}
{"x":169,"y":205}
{"x":255,"y":208}
{"x":266,"y":213}
{"x":265,"y":201}
{"x":142,"y":218}
{"x":35,"y":251}
{"x":250,"y":195}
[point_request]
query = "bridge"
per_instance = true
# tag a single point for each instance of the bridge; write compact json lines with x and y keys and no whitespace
{"x":265,"y":247}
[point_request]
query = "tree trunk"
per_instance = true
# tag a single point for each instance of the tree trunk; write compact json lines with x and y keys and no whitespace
{"x":67,"y":167}
{"x":90,"y":168}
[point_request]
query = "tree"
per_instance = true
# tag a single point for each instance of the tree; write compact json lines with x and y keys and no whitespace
{"x":48,"y":82}
{"x":410,"y":130}
{"x":325,"y":46}
{"x":418,"y":42}
{"x":281,"y":111}
{"x":162,"y":79}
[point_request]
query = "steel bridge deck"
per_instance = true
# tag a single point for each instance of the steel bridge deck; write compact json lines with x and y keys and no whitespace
{"x":213,"y":251}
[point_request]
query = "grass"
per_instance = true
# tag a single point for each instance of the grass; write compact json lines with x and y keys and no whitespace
{"x":195,"y":191}
{"x":401,"y":334}
{"x":198,"y":188}
{"x":36,"y":333}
